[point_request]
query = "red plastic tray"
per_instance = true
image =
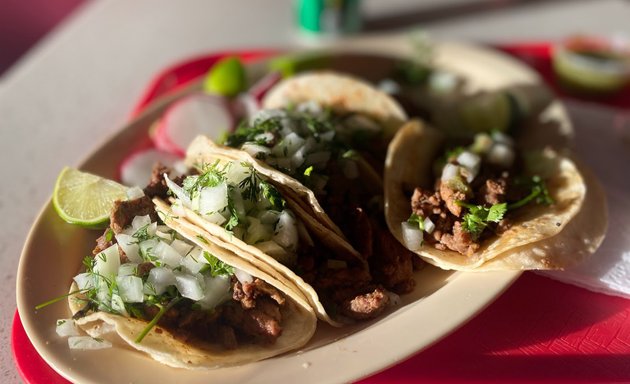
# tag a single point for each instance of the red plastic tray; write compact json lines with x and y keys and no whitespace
{"x":540,"y":330}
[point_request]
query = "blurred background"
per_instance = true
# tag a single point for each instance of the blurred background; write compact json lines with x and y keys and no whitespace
{"x":24,"y":23}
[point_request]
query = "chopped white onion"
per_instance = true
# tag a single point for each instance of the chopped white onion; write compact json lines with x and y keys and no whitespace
{"x":84,"y":280}
{"x":195,"y":261}
{"x":167,"y":254}
{"x":213,"y":199}
{"x":267,"y":114}
{"x":107,"y":262}
{"x":293,"y":142}
{"x":128,"y":269}
{"x":268,"y":217}
{"x":188,"y":286}
{"x":180,"y":167}
{"x":501,"y":155}
{"x":87,"y":342}
{"x":442,"y":82}
{"x":140,"y":222}
{"x":286,"y":234}
{"x":327,"y":136}
{"x":215,"y":218}
{"x":243,"y":276}
{"x":257,"y":232}
{"x":216,"y":291}
{"x":428,"y":225}
{"x":147,"y":248}
{"x":181,"y":246}
{"x":482,"y":144}
{"x":412,"y":236}
{"x":471,"y":164}
{"x":449,"y":172}
{"x":389,"y":86}
{"x":236,"y":172}
{"x":274,"y":250}
{"x":130,"y":246}
{"x":310,"y":106}
{"x":130,"y":289}
{"x":254,"y":149}
{"x":66,"y":327}
{"x":159,"y":279}
{"x":267,"y":137}
{"x":134,"y":193}
{"x":178,"y":191}
{"x":118,"y":305}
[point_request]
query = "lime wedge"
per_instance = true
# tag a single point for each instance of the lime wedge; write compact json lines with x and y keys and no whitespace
{"x":84,"y":199}
{"x":226,"y":77}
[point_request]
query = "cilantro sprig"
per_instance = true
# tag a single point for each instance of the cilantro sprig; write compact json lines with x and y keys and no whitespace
{"x":416,"y":220}
{"x":478,"y":217}
{"x":539,"y":193}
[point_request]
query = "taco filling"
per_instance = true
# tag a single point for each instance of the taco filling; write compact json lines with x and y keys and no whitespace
{"x":477,"y":190}
{"x":143,"y":269}
{"x":252,"y":215}
{"x":340,"y":158}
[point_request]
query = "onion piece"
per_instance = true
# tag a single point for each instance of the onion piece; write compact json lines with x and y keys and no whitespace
{"x":501,"y":155}
{"x":135,"y":193}
{"x":213,"y":199}
{"x":159,"y":279}
{"x":412,"y":236}
{"x":84,"y":280}
{"x":188,"y":286}
{"x":181,"y":246}
{"x":428,"y":225}
{"x":255,"y":150}
{"x":449,"y":172}
{"x":130,"y":289}
{"x":471,"y":164}
{"x":107,"y":262}
{"x":118,"y":305}
{"x":66,"y":327}
{"x":274,"y":250}
{"x":128,"y":269}
{"x":217,"y":290}
{"x":178,"y":191}
{"x":129,"y":245}
{"x":286,"y":234}
{"x":139,"y":222}
{"x":243,"y":276}
{"x":87,"y":343}
{"x":167,"y":254}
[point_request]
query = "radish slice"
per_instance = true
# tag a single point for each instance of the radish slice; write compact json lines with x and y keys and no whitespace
{"x":191,"y":116}
{"x":135,"y":170}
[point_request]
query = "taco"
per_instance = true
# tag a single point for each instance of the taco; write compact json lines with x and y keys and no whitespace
{"x":323,"y":138}
{"x":241,"y":206}
{"x":489,"y":204}
{"x":157,"y":284}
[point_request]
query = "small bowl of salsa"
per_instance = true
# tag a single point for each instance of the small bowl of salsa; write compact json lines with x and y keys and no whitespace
{"x":592,"y":64}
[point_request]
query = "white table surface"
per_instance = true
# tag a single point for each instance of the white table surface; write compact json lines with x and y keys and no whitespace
{"x":78,"y":86}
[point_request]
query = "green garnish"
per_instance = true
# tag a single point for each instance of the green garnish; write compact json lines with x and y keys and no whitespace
{"x":307,"y":171}
{"x":158,"y":316}
{"x":255,"y":188}
{"x":202,"y":239}
{"x":217,"y":267}
{"x":109,"y":234}
{"x":142,"y":234}
{"x":478,"y":217}
{"x":539,"y":193}
{"x":59,"y":298}
{"x":417,"y":220}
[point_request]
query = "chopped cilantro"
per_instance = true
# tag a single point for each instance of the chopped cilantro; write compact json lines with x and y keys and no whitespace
{"x":539,"y":193}
{"x":478,"y":217}
{"x":417,"y":220}
{"x":307,"y":171}
{"x":217,"y":267}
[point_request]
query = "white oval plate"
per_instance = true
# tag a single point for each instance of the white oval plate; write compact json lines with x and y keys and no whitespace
{"x":442,"y":301}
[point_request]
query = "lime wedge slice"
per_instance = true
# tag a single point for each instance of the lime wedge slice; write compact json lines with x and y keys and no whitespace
{"x":84,"y":199}
{"x":226,"y":77}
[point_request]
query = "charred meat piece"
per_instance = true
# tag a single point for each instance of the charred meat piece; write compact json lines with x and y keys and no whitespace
{"x":103,"y":242}
{"x":248,"y":293}
{"x":391,"y":263}
{"x":157,"y":185}
{"x":124,"y":212}
{"x":366,"y":305}
{"x":253,"y":323}
{"x":493,"y":191}
{"x":460,"y":241}
{"x":450,"y":197}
